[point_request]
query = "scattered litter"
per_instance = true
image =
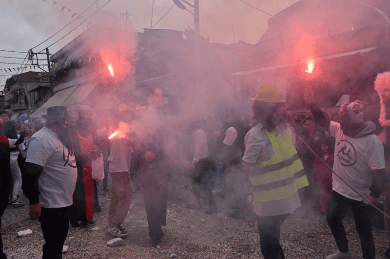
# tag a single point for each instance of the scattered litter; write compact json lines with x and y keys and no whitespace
{"x":115,"y":242}
{"x":24,"y":233}
{"x":65,"y":249}
{"x":70,"y":237}
{"x":202,"y":220}
{"x":172,"y":256}
{"x":310,"y":235}
{"x":95,"y":228}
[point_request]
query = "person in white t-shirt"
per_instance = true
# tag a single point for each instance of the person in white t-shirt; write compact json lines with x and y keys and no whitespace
{"x":359,"y":173}
{"x":50,"y":179}
{"x":119,"y":169}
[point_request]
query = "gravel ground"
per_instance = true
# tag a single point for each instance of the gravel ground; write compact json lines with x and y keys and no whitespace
{"x":189,"y":234}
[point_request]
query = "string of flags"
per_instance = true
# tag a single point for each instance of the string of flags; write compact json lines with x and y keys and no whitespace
{"x":77,"y":62}
{"x":64,"y":8}
{"x":21,"y":69}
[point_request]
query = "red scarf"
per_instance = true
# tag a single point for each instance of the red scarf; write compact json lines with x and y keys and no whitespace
{"x":4,"y":140}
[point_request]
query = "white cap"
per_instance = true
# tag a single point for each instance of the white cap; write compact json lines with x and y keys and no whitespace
{"x":230,"y":136}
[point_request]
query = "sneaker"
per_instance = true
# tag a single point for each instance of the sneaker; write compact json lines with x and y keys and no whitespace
{"x":122,"y":229}
{"x":115,"y":232}
{"x":339,"y":254}
{"x":15,"y":203}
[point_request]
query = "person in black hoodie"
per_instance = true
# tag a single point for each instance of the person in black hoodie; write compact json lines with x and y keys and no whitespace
{"x":359,"y":174}
{"x":5,"y":179}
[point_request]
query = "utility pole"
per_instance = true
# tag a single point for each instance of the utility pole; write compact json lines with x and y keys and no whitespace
{"x":196,"y":15}
{"x":197,"y":43}
{"x":49,"y":67}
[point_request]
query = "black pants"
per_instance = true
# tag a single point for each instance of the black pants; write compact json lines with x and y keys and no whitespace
{"x":3,"y":205}
{"x":155,"y":199}
{"x":55,"y":226}
{"x":337,"y":207}
{"x":269,"y":230}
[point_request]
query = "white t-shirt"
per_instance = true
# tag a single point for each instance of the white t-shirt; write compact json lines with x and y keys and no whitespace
{"x":230,"y":136}
{"x":201,"y":148}
{"x":258,"y":146}
{"x":13,"y":154}
{"x":354,"y":158}
{"x":120,"y":156}
{"x":58,"y":179}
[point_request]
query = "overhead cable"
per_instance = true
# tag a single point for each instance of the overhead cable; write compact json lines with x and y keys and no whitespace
{"x":64,"y":26}
{"x":89,"y":17}
{"x":4,"y":50}
{"x":255,"y":7}
{"x":162,"y":16}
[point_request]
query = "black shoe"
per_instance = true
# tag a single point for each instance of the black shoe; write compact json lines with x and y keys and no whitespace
{"x":74,"y":224}
{"x":98,"y":209}
{"x":87,"y":223}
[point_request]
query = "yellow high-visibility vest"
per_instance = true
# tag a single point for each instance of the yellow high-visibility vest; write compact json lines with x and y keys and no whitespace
{"x":282,"y":175}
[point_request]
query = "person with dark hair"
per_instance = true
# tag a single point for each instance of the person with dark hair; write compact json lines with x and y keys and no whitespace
{"x":155,"y":169}
{"x":312,"y":139}
{"x":323,"y":166}
{"x":359,"y":173}
{"x":14,"y":141}
{"x":37,"y":125}
{"x":84,"y":142}
{"x":274,"y":168}
{"x":4,"y":115}
{"x":5,"y":179}
{"x":118,"y":166}
{"x":203,"y":164}
{"x":50,"y":179}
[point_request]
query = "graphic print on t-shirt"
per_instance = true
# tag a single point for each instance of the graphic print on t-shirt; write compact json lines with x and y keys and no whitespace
{"x":346,"y":153}
{"x":69,"y":159}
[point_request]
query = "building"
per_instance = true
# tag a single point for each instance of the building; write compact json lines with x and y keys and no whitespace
{"x":26,"y":92}
{"x":334,"y":47}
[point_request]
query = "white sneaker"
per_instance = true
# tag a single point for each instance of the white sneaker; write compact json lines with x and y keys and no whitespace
{"x":339,"y":254}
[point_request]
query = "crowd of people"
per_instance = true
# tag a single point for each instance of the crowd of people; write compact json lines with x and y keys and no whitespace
{"x":263,"y":172}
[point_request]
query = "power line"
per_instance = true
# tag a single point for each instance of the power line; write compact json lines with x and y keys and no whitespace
{"x":16,"y":57}
{"x":64,"y":26}
{"x":77,"y":26}
{"x":255,"y":7}
{"x":12,"y":51}
{"x":9,"y":63}
{"x":163,"y":16}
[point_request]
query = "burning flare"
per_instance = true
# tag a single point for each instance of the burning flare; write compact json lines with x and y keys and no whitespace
{"x":310,"y":67}
{"x":111,"y":70}
{"x":113,"y":134}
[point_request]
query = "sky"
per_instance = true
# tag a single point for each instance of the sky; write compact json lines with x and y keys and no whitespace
{"x":26,"y":23}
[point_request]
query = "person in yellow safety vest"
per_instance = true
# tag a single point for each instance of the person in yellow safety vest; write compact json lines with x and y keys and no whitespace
{"x":274,"y":168}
